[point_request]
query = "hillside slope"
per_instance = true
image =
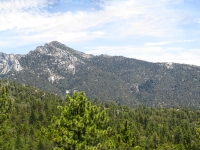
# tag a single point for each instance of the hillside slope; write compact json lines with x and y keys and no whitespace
{"x":60,"y":69}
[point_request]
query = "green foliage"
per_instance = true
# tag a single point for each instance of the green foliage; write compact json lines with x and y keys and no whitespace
{"x":5,"y":105}
{"x":198,"y":130}
{"x":18,"y":129}
{"x":154,"y":128}
{"x":80,"y":124}
{"x":77,"y":123}
{"x":5,"y":113}
{"x":125,"y":138}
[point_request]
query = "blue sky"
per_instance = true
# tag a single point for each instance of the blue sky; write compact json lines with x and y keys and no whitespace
{"x":151,"y":30}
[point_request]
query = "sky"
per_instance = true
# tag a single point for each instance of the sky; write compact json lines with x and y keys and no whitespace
{"x":150,"y":30}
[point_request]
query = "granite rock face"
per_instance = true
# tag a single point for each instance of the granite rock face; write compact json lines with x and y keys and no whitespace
{"x":53,"y":60}
{"x":9,"y":63}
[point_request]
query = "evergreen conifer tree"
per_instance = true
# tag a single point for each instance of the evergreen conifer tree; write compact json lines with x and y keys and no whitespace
{"x":5,"y":112}
{"x":80,"y":125}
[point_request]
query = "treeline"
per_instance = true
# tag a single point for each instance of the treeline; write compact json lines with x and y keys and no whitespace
{"x":38,"y":120}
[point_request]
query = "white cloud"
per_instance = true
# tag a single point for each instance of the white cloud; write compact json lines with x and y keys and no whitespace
{"x":23,"y":14}
{"x":168,"y":42}
{"x":158,"y":43}
{"x":151,"y":54}
{"x":98,"y":33}
{"x":128,"y":51}
{"x":11,"y":5}
{"x":30,"y":19}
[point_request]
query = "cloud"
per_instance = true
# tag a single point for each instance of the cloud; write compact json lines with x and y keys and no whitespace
{"x":128,"y":51}
{"x":168,"y":42}
{"x":23,"y":14}
{"x":11,"y":5}
{"x":158,"y":43}
{"x":31,"y":19}
{"x":98,"y":33}
{"x":151,"y":53}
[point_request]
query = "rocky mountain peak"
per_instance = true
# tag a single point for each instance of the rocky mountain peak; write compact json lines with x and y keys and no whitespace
{"x":57,"y":44}
{"x":53,"y":60}
{"x":61,"y":46}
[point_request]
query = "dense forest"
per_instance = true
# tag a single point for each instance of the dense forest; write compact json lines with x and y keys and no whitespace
{"x":33,"y":119}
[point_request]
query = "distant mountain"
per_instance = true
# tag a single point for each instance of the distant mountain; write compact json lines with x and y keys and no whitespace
{"x":60,"y":69}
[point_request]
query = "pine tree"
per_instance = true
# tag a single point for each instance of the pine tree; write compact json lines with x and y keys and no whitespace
{"x":126,"y":140}
{"x":178,"y":135}
{"x":198,"y":131}
{"x":80,"y":124}
{"x":5,"y":112}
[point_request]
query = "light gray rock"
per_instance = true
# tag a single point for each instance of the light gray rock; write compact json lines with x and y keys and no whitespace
{"x":8,"y":63}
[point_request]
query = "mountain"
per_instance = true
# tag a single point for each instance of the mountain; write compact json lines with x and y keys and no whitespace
{"x":60,"y":69}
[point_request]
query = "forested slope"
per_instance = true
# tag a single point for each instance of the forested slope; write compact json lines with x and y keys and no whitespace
{"x":30,"y":119}
{"x":57,"y":68}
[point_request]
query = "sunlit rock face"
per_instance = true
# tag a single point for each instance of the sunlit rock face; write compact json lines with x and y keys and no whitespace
{"x":9,"y":63}
{"x":53,"y":59}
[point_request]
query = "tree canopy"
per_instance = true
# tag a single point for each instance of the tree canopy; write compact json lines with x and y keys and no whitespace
{"x":33,"y":119}
{"x":80,"y":125}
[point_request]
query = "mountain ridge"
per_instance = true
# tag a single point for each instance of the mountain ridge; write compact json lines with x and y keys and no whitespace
{"x":60,"y":69}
